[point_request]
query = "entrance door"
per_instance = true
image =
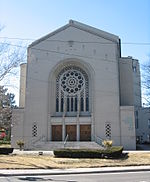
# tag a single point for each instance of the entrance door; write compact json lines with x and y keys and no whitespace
{"x":56,"y":132}
{"x":71,"y":131}
{"x":85,"y":132}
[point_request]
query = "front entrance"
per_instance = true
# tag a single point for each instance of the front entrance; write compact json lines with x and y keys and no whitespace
{"x":71,"y":131}
{"x":56,"y":132}
{"x":85,"y":132}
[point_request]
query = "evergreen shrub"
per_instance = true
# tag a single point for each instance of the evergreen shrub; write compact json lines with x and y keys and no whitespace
{"x":112,"y":152}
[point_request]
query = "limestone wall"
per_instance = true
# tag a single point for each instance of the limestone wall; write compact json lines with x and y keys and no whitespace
{"x":17,"y":127}
{"x":23,"y":68}
{"x":128,"y":136}
{"x":101,"y":61}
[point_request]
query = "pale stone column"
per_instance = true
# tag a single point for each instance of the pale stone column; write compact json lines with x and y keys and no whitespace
{"x":78,"y":131}
{"x":63,"y":131}
{"x":84,"y":105}
{"x":49,"y":132}
{"x":78,"y":122}
{"x":59,"y":100}
{"x":22,"y":94}
{"x":92,"y":128}
{"x":63,"y":119}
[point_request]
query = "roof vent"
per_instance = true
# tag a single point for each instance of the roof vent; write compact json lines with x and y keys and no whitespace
{"x":70,"y":21}
{"x":70,"y":42}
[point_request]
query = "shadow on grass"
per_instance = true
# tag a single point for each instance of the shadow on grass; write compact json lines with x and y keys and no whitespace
{"x":124,"y":156}
{"x":42,"y":179}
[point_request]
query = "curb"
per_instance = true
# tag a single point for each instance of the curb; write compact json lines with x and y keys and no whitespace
{"x":69,"y":172}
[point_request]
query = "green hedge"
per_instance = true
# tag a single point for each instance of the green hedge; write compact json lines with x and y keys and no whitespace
{"x":4,"y":142}
{"x":6,"y":151}
{"x":113,"y":152}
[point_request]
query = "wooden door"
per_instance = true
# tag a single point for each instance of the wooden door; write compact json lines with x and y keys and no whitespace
{"x":71,"y":131}
{"x":56,"y":132}
{"x":85,"y":132}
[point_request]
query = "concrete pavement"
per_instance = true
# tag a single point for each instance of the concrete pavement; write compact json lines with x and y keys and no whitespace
{"x":5,"y":172}
{"x":31,"y":152}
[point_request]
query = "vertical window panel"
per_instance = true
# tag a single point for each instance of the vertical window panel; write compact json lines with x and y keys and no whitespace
{"x":76,"y":104}
{"x":82,"y":104}
{"x":87,"y":104}
{"x":68,"y":104}
{"x":62,"y":104}
{"x":72,"y":104}
{"x":57,"y":105}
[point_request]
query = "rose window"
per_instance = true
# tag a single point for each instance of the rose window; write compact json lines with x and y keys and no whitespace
{"x":72,"y":90}
{"x":72,"y":82}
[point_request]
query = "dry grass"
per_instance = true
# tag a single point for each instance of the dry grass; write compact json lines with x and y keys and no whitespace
{"x":5,"y":145}
{"x":49,"y":162}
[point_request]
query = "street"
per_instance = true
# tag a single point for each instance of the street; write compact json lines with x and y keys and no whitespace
{"x":97,"y":177}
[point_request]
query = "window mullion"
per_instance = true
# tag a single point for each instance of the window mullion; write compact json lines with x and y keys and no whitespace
{"x":59,"y":101}
{"x":84,"y":100}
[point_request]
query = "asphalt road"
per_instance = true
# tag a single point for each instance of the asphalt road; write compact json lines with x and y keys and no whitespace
{"x":105,"y":177}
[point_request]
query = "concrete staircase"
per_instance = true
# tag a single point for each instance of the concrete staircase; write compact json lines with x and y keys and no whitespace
{"x":47,"y":146}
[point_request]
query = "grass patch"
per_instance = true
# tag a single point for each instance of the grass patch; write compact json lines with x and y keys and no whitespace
{"x":50,"y":162}
{"x":5,"y":144}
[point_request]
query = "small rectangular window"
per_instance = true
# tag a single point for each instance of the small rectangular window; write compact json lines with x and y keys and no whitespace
{"x":108,"y":130}
{"x":134,"y":69}
{"x":136,"y":120}
{"x":34,"y":130}
{"x":136,"y":123}
{"x":148,"y":123}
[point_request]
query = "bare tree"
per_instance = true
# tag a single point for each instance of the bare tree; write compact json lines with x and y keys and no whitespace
{"x":10,"y":58}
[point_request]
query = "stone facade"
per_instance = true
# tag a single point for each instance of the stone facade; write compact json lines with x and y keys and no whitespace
{"x":75,"y":82}
{"x":142,"y":122}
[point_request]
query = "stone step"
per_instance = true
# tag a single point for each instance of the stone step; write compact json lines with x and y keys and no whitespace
{"x":56,"y":145}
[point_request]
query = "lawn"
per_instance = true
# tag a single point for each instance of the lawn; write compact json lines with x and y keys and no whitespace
{"x":5,"y":146}
{"x":50,"y":162}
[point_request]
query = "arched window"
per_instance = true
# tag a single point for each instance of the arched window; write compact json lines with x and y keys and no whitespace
{"x":72,"y":90}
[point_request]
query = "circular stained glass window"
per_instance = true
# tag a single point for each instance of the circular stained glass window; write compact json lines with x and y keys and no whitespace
{"x":72,"y":81}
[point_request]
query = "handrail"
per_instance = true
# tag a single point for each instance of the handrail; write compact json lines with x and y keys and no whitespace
{"x":40,"y":138}
{"x":33,"y":141}
{"x":98,"y":140}
{"x":66,"y":140}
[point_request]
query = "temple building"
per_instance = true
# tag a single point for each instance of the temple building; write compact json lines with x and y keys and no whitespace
{"x":75,"y":84}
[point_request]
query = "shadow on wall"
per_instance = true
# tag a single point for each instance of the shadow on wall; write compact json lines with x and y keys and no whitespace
{"x":143,"y":146}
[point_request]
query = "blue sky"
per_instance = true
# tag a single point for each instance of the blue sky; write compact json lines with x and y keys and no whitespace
{"x":31,"y":19}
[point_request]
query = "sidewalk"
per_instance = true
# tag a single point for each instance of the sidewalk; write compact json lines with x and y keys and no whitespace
{"x":29,"y":152}
{"x":26,"y":152}
{"x":32,"y":172}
